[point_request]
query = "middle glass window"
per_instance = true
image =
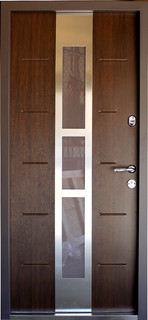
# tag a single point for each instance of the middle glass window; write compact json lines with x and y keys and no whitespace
{"x":73,"y":162}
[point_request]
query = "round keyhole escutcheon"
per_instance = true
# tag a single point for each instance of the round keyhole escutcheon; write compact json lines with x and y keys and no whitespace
{"x":131,"y":183}
{"x":132,"y":121}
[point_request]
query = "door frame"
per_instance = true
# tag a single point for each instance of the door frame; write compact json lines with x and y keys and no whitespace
{"x":6,"y":8}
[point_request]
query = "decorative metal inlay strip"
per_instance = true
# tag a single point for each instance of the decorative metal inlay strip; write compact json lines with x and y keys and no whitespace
{"x":35,"y":265}
{"x":34,"y":111}
{"x":29,"y":162}
{"x":113,"y":60}
{"x":108,"y":111}
{"x":34,"y":59}
{"x":107,"y":162}
{"x":111,"y":214}
{"x":112,"y":265}
{"x":34,"y":214}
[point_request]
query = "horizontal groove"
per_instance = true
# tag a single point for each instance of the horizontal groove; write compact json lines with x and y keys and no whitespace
{"x":107,"y":162}
{"x":34,"y":111}
{"x":34,"y":59}
{"x":112,"y":214}
{"x":29,"y":162}
{"x":108,"y":111}
{"x":34,"y":214}
{"x":113,"y":60}
{"x":112,"y":264}
{"x":35,"y":265}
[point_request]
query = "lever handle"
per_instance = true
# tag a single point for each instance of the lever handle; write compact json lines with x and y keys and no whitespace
{"x":130,"y":169}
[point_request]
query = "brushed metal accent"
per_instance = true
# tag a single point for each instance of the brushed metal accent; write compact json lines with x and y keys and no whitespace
{"x":74,"y":294}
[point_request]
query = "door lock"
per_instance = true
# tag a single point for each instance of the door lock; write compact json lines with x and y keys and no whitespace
{"x":132,"y":121}
{"x":131,"y":184}
{"x":130,"y":169}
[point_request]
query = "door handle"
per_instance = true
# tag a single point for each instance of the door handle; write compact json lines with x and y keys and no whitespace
{"x":130,"y":169}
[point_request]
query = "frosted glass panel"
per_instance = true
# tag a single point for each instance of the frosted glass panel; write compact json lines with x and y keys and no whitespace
{"x":73,"y":163}
{"x":73,"y":246}
{"x":73,"y":87}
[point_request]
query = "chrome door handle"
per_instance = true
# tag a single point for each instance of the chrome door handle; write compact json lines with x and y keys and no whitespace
{"x":130,"y":169}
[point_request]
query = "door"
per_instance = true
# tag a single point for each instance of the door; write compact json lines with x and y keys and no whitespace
{"x":73,"y":198}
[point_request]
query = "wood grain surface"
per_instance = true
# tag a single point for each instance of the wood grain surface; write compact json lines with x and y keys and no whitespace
{"x":32,"y":161}
{"x":115,"y":144}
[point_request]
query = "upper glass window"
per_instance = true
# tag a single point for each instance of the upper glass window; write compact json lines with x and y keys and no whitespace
{"x":73,"y":87}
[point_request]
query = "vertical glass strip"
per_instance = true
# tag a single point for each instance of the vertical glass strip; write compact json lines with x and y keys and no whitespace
{"x":74,"y":136}
{"x":73,"y":163}
{"x":73,"y":87}
{"x":73,"y":243}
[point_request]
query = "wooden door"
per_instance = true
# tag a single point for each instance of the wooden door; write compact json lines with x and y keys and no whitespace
{"x":32,"y":161}
{"x":32,"y":130}
{"x":115,"y":144}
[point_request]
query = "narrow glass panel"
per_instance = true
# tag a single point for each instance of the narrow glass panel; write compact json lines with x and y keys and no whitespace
{"x":73,"y":87}
{"x":73,"y":244}
{"x":73,"y":136}
{"x":73,"y":163}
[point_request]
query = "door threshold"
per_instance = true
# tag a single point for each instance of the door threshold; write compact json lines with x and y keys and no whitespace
{"x":72,"y":316}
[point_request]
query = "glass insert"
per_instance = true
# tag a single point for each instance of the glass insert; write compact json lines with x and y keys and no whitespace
{"x":73,"y":87}
{"x":73,"y":163}
{"x":73,"y":243}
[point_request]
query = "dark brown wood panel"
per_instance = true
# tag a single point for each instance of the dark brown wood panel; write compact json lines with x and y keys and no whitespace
{"x":37,"y":283}
{"x":109,"y":249}
{"x":31,"y":138}
{"x":112,"y":279}
{"x":115,"y":144}
{"x":32,"y":161}
{"x":35,"y":61}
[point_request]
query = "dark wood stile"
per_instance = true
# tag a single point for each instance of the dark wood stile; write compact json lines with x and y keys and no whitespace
{"x":115,"y":98}
{"x":32,"y":160}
